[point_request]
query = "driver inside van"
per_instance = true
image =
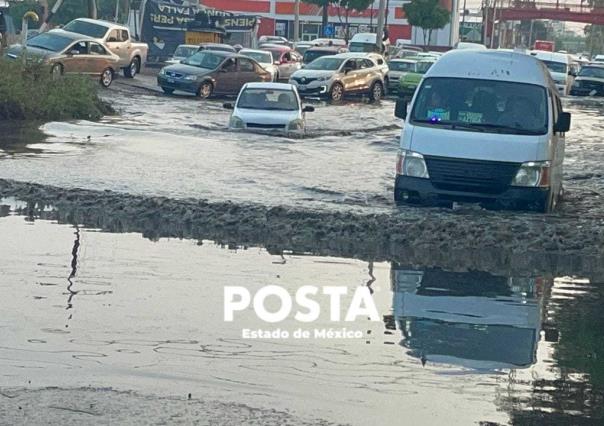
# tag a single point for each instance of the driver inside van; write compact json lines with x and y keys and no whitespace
{"x":519,"y":112}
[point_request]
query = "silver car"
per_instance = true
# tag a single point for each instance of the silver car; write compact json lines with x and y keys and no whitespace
{"x":333,"y":77}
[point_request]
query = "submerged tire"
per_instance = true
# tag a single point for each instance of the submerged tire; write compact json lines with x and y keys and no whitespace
{"x":106,"y":77}
{"x":377,"y":92}
{"x":337,"y":92}
{"x":134,"y":68}
{"x":167,"y":90}
{"x":205,"y":90}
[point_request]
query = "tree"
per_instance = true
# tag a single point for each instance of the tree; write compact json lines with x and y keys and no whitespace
{"x":325,"y":5}
{"x":428,"y":15}
{"x":349,"y":6}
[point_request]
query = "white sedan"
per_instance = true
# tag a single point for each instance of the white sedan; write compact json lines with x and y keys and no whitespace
{"x":269,"y":106}
{"x":264,"y":58}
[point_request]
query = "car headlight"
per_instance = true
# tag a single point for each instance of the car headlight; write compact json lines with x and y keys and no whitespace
{"x":236,"y":123}
{"x":191,"y":77}
{"x":533,"y":174}
{"x":295,"y":125}
{"x":322,"y":78}
{"x":162,"y":71}
{"x":411,"y":164}
{"x":577,"y":84}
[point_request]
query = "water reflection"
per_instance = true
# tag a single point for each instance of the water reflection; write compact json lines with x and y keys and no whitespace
{"x":474,"y":319}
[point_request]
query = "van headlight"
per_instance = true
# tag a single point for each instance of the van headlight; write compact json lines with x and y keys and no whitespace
{"x":236,"y":123}
{"x":296,"y":125}
{"x":411,"y":164}
{"x":533,"y":174}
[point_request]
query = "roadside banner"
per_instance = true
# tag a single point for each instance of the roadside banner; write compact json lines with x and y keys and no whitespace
{"x":164,"y":24}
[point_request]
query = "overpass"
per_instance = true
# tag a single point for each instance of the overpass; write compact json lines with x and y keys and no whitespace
{"x":571,"y":12}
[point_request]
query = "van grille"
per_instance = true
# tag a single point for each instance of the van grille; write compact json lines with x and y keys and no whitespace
{"x":265,"y":126}
{"x":487,"y":177}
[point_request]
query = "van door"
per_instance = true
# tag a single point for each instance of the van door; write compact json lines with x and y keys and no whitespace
{"x":558,"y":145}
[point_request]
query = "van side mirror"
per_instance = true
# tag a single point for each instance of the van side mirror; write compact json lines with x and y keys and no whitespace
{"x":308,"y":108}
{"x":563,"y":123}
{"x":227,"y":105}
{"x":400,"y":109}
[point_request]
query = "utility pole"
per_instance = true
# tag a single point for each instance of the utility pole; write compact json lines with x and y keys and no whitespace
{"x":297,"y":21}
{"x":117,"y":10}
{"x":380,"y":27}
{"x":492,"y":43}
{"x":92,"y":9}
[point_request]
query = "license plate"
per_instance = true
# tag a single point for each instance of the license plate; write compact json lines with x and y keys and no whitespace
{"x":171,"y":80}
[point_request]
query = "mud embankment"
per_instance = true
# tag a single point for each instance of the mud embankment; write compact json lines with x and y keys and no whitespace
{"x":457,"y":240}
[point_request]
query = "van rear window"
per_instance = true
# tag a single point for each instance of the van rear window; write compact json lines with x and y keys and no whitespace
{"x":481,"y":105}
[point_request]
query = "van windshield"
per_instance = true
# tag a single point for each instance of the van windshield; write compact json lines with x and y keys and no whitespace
{"x":481,"y":105}
{"x":560,"y":67}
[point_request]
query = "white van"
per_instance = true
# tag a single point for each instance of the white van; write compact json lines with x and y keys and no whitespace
{"x":483,"y":126}
{"x":366,"y":43}
{"x":559,"y":66}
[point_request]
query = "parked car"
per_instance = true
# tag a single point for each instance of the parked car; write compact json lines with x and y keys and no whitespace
{"x":222,"y":47}
{"x":182,"y":52}
{"x":207,"y":73}
{"x":269,"y":106}
{"x":474,"y":135}
{"x":286,"y":60}
{"x":409,"y":82}
{"x":598,"y":58}
{"x":70,"y":53}
{"x":264,"y":58}
{"x":366,"y":42}
{"x":116,"y":38}
{"x":338,"y":42}
{"x":333,"y":77}
{"x":302,"y":46}
{"x":273,"y":40}
{"x":468,"y":45}
{"x":589,"y":81}
{"x":398,"y":69}
{"x":319,"y":51}
{"x":559,"y":67}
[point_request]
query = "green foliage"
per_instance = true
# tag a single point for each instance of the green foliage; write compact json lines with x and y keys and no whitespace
{"x":428,"y":15}
{"x":71,"y":9}
{"x":29,"y":92}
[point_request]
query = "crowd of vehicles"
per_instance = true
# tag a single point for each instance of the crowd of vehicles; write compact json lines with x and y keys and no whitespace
{"x":480,"y":125}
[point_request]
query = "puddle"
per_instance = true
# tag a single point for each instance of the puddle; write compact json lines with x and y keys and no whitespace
{"x":116,"y":310}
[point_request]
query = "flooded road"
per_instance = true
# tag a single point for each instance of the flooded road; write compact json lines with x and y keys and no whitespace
{"x":95,"y":313}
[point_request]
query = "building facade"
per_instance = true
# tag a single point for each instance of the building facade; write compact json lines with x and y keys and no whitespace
{"x":277,"y":18}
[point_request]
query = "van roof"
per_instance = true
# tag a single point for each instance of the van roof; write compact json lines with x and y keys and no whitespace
{"x":491,"y":65}
{"x":551,"y":56}
{"x":364,"y":38}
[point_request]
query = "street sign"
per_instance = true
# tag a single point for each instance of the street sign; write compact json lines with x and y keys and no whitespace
{"x":329,"y":30}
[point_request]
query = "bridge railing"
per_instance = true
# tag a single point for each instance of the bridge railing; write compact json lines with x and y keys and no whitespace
{"x":582,"y":7}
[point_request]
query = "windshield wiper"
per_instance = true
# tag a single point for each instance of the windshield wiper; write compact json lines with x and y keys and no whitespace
{"x":503,"y":128}
{"x":451,"y":125}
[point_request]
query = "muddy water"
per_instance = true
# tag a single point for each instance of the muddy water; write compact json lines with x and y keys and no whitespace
{"x":115,"y":310}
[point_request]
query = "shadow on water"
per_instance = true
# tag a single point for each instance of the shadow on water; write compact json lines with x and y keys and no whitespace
{"x":544,"y":336}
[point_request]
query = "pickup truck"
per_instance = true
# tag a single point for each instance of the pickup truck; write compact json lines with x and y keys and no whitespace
{"x":116,"y":38}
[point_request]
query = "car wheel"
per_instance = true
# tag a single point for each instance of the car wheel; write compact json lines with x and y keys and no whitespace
{"x":206,"y":89}
{"x":337,"y":92}
{"x":377,"y":91}
{"x":107,"y":77}
{"x":133,"y":68}
{"x":56,"y":71}
{"x":167,"y":90}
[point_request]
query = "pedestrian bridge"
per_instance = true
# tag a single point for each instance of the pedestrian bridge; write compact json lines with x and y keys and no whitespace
{"x":572,"y":12}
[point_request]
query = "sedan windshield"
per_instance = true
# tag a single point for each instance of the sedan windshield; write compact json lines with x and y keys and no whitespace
{"x":204,"y":59}
{"x":597,"y":72}
{"x":260,"y":57}
{"x":482,"y":106}
{"x":560,"y":67}
{"x":401,"y":66}
{"x":311,"y":55}
{"x":86,"y":28}
{"x":326,"y":63}
{"x":268,"y":99}
{"x":50,"y":41}
{"x":185,"y":51}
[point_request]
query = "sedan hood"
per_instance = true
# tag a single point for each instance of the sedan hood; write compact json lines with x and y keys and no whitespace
{"x":313,"y":73}
{"x":188,"y":69}
{"x":266,"y":117}
{"x":31,"y":52}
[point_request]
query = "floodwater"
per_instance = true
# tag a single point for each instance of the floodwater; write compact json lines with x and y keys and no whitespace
{"x":179,"y":147}
{"x":84,"y":307}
